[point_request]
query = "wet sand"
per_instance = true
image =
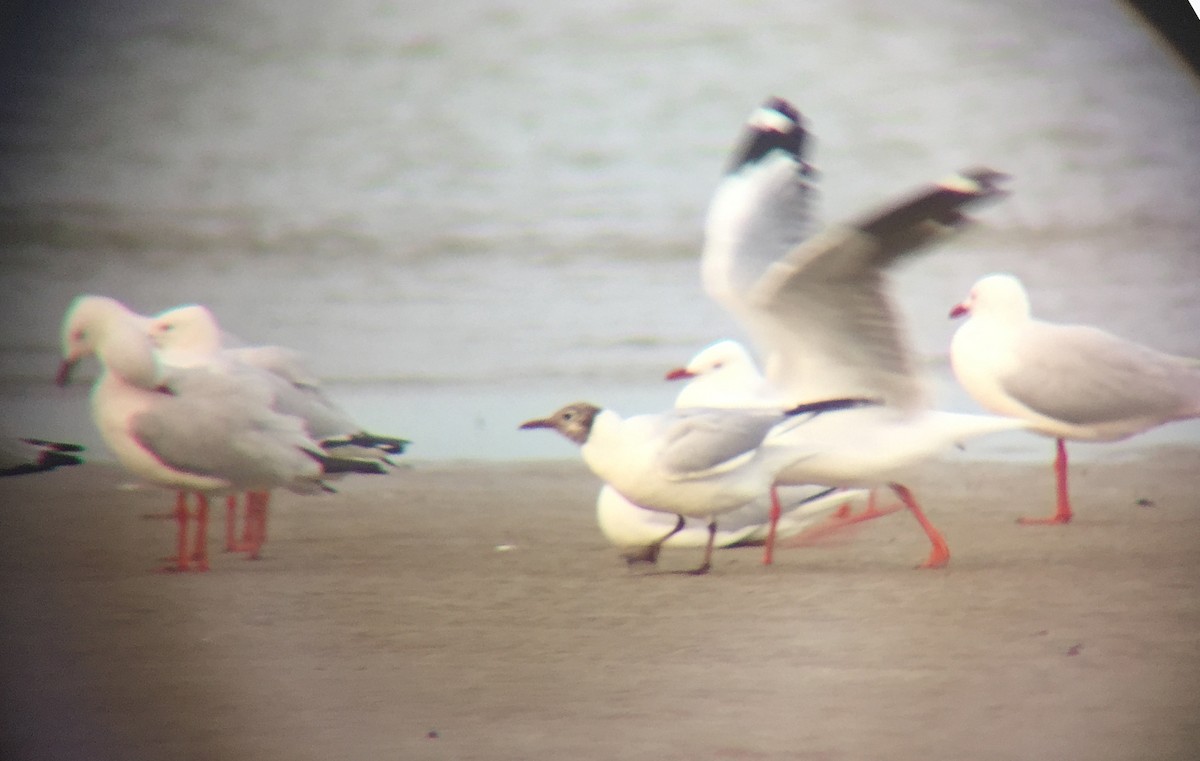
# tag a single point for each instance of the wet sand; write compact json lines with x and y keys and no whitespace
{"x":387,"y":622}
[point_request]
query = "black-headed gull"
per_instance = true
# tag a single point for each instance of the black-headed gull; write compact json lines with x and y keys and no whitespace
{"x":818,"y":308}
{"x":20,"y":456}
{"x":1066,"y":381}
{"x":633,"y":528}
{"x":192,"y":430}
{"x":688,"y":462}
{"x":190,"y":336}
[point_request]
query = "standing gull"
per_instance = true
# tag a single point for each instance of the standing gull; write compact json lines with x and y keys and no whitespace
{"x":191,"y":430}
{"x":818,"y":309}
{"x":1068,"y":381}
{"x":688,"y":462}
{"x":190,"y":336}
{"x":724,"y":376}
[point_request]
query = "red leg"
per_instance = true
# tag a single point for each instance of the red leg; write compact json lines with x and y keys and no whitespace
{"x":769,"y":545}
{"x":872,"y":510}
{"x":939,"y":555}
{"x":256,"y":521}
{"x":1062,"y":514}
{"x":181,"y":521}
{"x":200,"y":554}
{"x":708,"y":549}
{"x":842,"y":518}
{"x":231,"y":543}
{"x":247,"y":527}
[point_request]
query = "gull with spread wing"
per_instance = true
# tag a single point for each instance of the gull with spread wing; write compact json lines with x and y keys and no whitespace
{"x":818,"y":308}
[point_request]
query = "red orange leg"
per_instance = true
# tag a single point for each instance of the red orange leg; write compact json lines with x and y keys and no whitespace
{"x":256,"y":521}
{"x":841,"y":519}
{"x":200,"y":553}
{"x":769,"y":545}
{"x":231,"y":543}
{"x":939,"y":555}
{"x":872,"y":510}
{"x":181,"y":562}
{"x":1062,"y":514}
{"x":247,"y":525}
{"x":708,"y":549}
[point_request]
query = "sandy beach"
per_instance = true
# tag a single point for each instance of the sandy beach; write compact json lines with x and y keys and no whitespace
{"x":469,"y":611}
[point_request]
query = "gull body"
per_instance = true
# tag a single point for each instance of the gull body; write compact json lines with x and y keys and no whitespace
{"x":628,"y":526}
{"x":190,"y":336}
{"x":687,"y":462}
{"x":724,"y":376}
{"x":1065,"y":381}
{"x":188,"y":429}
{"x":818,"y":309}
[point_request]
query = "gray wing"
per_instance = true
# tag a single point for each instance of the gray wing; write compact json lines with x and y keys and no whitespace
{"x":210,"y":424}
{"x":700,"y":439}
{"x":324,"y":418}
{"x":1086,"y":376}
{"x":288,"y":364}
{"x":819,"y":309}
{"x":296,"y":390}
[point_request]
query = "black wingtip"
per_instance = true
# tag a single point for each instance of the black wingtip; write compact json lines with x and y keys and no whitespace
{"x":54,"y":459}
{"x":386,"y":444}
{"x":977,"y":183}
{"x":775,"y":125}
{"x":48,"y":460}
{"x":332,"y":465}
{"x":942,"y":202}
{"x":831,"y":405}
{"x":57,"y":446}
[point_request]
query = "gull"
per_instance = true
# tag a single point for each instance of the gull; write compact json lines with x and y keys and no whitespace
{"x":737,"y":384}
{"x":694,"y":462}
{"x":190,"y":336}
{"x":191,"y":430}
{"x":817,"y":306}
{"x":1067,"y":381}
{"x":633,"y":528}
{"x":19,"y":456}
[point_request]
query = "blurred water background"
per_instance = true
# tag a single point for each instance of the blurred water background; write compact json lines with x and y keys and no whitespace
{"x":471,"y":212}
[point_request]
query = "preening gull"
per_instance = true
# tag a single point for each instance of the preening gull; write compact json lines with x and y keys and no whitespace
{"x":190,"y":336}
{"x":191,"y":430}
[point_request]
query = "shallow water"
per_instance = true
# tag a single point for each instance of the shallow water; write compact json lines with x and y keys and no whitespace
{"x":473,"y":213}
